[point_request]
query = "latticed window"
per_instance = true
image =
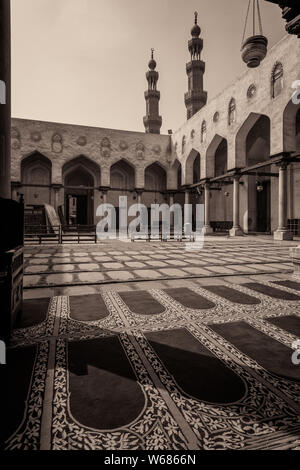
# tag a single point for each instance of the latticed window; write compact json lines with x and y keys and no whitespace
{"x":277,"y":79}
{"x":231,"y":111}
{"x":203,"y":131}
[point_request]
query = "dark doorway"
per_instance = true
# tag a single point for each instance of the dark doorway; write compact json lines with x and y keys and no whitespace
{"x":263,"y":208}
{"x":77,"y":209}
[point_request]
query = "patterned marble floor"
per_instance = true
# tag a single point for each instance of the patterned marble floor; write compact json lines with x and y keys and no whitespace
{"x":201,"y":364}
{"x":128,"y":262}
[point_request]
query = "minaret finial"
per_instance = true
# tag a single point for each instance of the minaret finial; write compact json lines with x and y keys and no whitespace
{"x":196,"y":17}
{"x":152,"y":53}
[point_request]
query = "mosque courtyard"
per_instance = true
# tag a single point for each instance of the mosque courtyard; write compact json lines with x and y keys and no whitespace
{"x":153,"y":346}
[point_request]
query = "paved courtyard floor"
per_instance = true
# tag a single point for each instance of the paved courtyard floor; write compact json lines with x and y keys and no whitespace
{"x":116,"y":261}
{"x":178,"y":361}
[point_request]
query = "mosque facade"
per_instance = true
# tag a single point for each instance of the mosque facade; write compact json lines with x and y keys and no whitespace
{"x":235,"y":153}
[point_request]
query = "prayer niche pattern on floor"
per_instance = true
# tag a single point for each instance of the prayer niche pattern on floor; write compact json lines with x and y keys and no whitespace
{"x":198,"y":368}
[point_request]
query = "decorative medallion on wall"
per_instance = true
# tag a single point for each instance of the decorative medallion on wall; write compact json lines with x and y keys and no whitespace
{"x":157,"y":149}
{"x":57,"y":143}
{"x":15,"y":138}
{"x":140,"y":151}
{"x":82,"y":141}
{"x":105,"y":148}
{"x":216,"y":116}
{"x":193,"y":133}
{"x":123,"y":145}
{"x":35,"y":136}
{"x":251,"y":91}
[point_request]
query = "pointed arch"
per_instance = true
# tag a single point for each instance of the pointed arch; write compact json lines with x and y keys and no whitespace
{"x":82,"y":165}
{"x":122,"y":175}
{"x":155,"y":177}
{"x":36,"y":169}
{"x":213,"y":147}
{"x":192,"y":167}
{"x":291,"y":127}
{"x":241,"y":136}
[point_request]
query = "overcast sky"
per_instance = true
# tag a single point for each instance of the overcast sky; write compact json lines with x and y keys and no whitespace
{"x":84,"y":61}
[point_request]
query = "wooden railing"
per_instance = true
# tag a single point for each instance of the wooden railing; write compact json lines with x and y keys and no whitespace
{"x":60,"y":234}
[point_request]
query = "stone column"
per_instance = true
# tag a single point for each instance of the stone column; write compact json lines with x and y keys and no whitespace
{"x":56,"y":188}
{"x":171,"y":203}
{"x":236,"y":230}
{"x":139,"y":195}
{"x":207,"y":229}
{"x":187,"y":197}
{"x":5,"y":106}
{"x":104,"y":194}
{"x":282,"y":233}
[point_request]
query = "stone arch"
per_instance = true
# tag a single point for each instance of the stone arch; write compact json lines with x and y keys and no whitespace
{"x":257,"y":141}
{"x":155,"y":177}
{"x":191,"y":165}
{"x":80,"y":177}
{"x":241,"y":136}
{"x":253,"y":146}
{"x":175,"y":177}
{"x":221,"y":158}
{"x":36,"y":170}
{"x":211,"y":154}
{"x":122,"y":175}
{"x":90,"y":169}
{"x":290,"y":129}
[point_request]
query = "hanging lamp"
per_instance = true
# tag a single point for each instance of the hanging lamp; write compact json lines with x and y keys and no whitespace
{"x":254,"y":48}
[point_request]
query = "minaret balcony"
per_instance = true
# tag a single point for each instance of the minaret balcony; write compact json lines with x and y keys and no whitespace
{"x":195,"y":96}
{"x":152,"y":94}
{"x":149,"y":120}
{"x":195,"y":65}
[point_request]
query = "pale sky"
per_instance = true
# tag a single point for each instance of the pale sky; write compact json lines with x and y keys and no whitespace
{"x":84,"y":61}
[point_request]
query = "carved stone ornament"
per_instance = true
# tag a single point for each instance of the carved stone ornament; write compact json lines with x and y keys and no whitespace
{"x":82,"y":141}
{"x":123,"y":145}
{"x":57,"y":143}
{"x":157,"y":149}
{"x":15,"y":138}
{"x":35,"y":136}
{"x":140,"y":151}
{"x":105,"y":148}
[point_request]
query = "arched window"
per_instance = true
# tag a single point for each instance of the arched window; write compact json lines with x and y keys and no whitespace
{"x":231,"y":112}
{"x":183,"y":143}
{"x":203,"y":132}
{"x":277,"y":79}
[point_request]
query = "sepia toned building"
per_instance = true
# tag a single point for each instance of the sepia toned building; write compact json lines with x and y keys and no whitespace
{"x":236,"y":152}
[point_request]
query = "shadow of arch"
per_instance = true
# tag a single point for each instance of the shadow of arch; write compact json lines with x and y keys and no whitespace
{"x":192,"y":167}
{"x":175,"y":175}
{"x":80,"y":177}
{"x":211,"y":153}
{"x":252,"y":123}
{"x":123,"y":175}
{"x":36,"y":169}
{"x":291,"y":118}
{"x":85,"y":164}
{"x":155,"y":177}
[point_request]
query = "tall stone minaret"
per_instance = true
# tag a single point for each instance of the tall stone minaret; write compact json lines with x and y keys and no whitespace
{"x":152,"y":120}
{"x":195,"y":98}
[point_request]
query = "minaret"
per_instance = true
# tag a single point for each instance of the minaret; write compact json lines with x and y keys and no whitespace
{"x":195,"y":98}
{"x":152,"y":120}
